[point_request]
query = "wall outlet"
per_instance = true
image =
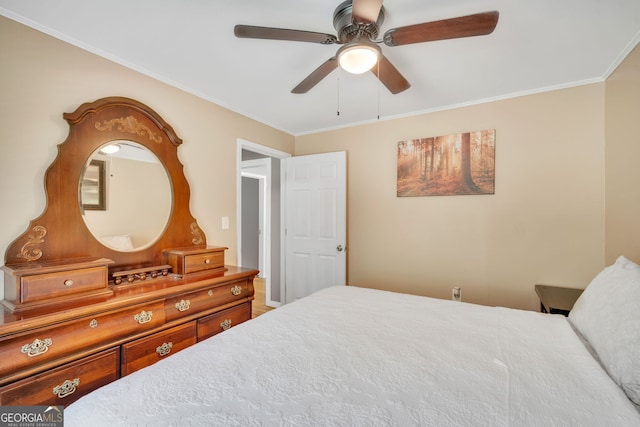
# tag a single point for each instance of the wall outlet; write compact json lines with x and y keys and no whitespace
{"x":456,"y":294}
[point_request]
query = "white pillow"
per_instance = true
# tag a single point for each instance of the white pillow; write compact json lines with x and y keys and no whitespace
{"x":119,"y":242}
{"x":607,"y":314}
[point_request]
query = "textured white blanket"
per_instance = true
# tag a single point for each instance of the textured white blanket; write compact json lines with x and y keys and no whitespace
{"x":349,"y":356}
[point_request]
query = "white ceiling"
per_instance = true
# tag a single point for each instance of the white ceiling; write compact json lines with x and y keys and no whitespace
{"x":538,"y":45}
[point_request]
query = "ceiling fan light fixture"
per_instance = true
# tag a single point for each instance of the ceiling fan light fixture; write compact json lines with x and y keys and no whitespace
{"x":358,"y":57}
{"x":110,"y":148}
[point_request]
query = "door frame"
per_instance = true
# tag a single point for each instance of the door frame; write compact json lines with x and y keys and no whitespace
{"x":243,"y":144}
{"x":260,"y":169}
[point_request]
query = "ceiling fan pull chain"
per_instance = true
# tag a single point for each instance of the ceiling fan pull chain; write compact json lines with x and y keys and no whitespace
{"x":378,"y":86}
{"x":338,"y":92}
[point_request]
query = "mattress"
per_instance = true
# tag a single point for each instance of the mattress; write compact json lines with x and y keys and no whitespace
{"x":348,"y":356}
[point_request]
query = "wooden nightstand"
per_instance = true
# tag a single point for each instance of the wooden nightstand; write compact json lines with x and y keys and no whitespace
{"x":557,"y":300}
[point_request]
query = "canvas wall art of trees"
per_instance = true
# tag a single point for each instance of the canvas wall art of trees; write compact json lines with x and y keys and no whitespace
{"x":461,"y":163}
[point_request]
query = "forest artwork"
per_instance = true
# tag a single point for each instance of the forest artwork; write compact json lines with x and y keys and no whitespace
{"x":461,"y":163}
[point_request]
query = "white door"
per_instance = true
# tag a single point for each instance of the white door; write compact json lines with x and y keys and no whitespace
{"x":316,"y":218}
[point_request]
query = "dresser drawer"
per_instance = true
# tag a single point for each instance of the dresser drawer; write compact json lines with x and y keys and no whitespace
{"x":214,"y":324}
{"x":62,"y":283}
{"x":28,"y":286}
{"x":146,"y":351}
{"x":64,"y":385}
{"x":192,"y":260}
{"x":233,"y":291}
{"x":206,"y":299}
{"x":208,"y":261}
{"x":18,"y":352}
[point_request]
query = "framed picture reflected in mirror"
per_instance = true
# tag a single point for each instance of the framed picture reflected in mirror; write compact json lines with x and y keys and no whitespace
{"x":92,"y":189}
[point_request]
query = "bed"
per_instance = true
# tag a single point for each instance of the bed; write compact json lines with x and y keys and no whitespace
{"x":349,"y":356}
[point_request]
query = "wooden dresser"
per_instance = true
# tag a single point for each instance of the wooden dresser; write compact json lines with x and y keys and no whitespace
{"x":54,"y":357}
{"x":115,"y":274}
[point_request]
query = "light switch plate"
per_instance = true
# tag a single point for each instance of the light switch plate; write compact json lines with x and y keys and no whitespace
{"x":225,"y":222}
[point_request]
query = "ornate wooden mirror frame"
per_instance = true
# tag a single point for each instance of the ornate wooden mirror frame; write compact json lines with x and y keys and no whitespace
{"x":73,"y":305}
{"x":60,"y":233}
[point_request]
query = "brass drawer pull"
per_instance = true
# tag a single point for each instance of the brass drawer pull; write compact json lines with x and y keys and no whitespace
{"x":206,"y":261}
{"x":183,"y":305}
{"x":93,"y":324}
{"x":236,"y":290}
{"x":210,"y":293}
{"x":68,"y":282}
{"x":66,"y":388}
{"x":226,"y":324}
{"x":143,"y":317}
{"x":36,"y":347}
{"x":164,"y":349}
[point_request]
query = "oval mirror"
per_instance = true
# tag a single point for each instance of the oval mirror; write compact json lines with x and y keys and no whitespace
{"x":125,"y":196}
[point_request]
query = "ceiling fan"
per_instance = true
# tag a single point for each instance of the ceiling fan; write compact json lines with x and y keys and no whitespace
{"x":357,"y":23}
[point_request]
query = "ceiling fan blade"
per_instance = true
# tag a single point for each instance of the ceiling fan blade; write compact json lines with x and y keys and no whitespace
{"x":390,"y":76}
{"x":316,"y":76}
{"x":366,"y":10}
{"x":464,"y":26}
{"x":252,"y":32}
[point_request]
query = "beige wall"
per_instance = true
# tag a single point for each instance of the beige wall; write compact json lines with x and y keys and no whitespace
{"x":622,"y":165}
{"x":545,"y":223}
{"x":42,"y":77}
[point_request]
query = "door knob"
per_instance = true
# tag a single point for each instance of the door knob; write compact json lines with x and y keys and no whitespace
{"x":339,"y":248}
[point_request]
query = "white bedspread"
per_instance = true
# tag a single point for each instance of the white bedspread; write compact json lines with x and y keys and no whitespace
{"x":349,"y":356}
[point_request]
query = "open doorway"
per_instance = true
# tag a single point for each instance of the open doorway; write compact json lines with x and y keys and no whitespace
{"x":260,"y":222}
{"x":256,"y":215}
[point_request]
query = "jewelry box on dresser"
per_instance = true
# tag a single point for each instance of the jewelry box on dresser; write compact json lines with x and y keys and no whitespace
{"x":91,"y":294}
